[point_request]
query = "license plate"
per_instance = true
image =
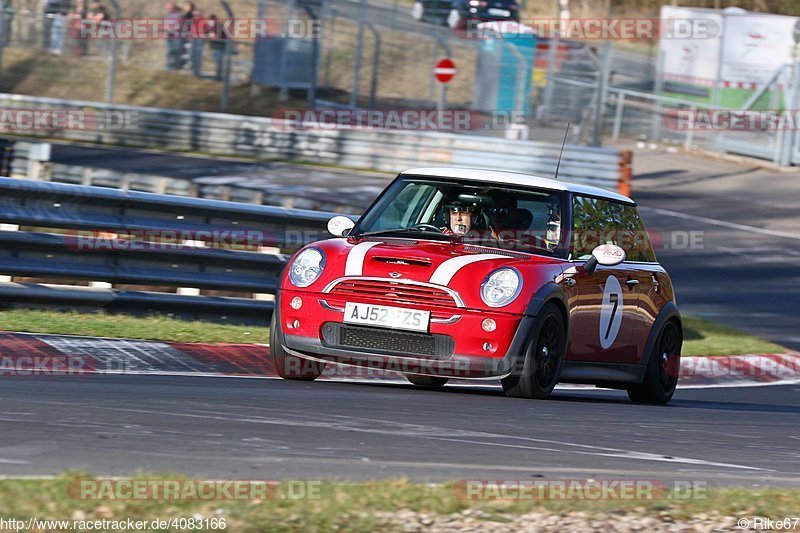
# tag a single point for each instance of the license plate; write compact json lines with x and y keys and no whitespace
{"x":499,"y":12}
{"x":386,"y":317}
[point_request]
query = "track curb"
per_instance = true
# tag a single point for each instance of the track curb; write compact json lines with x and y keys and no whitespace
{"x":106,"y":355}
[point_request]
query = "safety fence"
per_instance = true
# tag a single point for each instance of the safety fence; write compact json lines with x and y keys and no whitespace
{"x":194,"y":258}
{"x":370,"y":55}
{"x":761,"y":128}
{"x":51,"y":48}
{"x":32,"y":161}
{"x":352,"y":147}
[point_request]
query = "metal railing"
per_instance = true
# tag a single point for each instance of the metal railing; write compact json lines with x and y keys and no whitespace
{"x":24,"y":162}
{"x":387,"y":150}
{"x":640,"y":114}
{"x":55,"y":233}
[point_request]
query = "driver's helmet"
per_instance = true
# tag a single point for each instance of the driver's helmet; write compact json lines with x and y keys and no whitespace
{"x":453,"y":202}
{"x":457,"y":203}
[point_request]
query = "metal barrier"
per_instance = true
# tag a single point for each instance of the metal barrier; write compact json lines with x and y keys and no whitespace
{"x":645,"y":115}
{"x":27,"y":163}
{"x":136,"y":240}
{"x":389,"y":150}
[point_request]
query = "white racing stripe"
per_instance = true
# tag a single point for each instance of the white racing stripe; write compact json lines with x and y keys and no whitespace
{"x":355,"y":258}
{"x":445,"y":272}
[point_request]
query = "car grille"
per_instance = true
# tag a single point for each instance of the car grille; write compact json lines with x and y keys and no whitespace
{"x":393,"y":293}
{"x":388,"y":342}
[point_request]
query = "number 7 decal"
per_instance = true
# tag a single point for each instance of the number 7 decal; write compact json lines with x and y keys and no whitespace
{"x":615,"y":299}
{"x":610,"y":312}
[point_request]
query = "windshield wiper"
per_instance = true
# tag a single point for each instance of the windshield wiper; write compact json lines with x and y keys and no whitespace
{"x":396,"y":230}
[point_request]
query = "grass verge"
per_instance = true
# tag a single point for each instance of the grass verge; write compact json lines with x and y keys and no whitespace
{"x":702,"y":337}
{"x":156,"y":328}
{"x":372,"y":506}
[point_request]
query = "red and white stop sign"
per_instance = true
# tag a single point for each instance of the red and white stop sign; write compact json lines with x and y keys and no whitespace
{"x":445,"y":70}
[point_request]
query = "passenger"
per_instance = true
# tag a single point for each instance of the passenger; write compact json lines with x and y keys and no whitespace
{"x":172,"y":28}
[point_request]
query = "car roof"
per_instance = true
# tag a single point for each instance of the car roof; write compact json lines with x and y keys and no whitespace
{"x":514,"y":178}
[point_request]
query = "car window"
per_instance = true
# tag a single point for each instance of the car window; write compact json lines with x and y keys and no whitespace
{"x":633,"y":236}
{"x":593,"y":224}
{"x":597,"y":221}
{"x":406,"y":208}
{"x":513,"y":218}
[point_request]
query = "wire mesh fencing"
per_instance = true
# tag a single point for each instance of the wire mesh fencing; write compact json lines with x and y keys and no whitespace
{"x":346,"y":59}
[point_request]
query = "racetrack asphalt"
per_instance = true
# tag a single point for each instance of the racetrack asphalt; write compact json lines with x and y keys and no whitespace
{"x":271,"y":429}
{"x":729,"y":237}
{"x":744,"y":273}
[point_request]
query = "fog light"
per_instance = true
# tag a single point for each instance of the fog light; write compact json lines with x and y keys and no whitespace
{"x":488,"y":324}
{"x":487,"y":346}
{"x":296,"y":324}
{"x":296,"y":302}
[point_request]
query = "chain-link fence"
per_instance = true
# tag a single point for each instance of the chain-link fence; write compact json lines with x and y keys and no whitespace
{"x":43,"y":53}
{"x":68,"y":54}
{"x":763,"y":126}
{"x":323,"y":53}
{"x":395,"y":67}
{"x":361,"y":60}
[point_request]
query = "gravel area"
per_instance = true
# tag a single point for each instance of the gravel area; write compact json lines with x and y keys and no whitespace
{"x":542,"y":521}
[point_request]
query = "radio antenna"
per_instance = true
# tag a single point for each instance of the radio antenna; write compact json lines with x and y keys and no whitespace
{"x":558,"y":165}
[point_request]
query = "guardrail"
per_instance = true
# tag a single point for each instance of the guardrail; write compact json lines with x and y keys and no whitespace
{"x":389,"y":150}
{"x":25,"y":163}
{"x":140,"y":240}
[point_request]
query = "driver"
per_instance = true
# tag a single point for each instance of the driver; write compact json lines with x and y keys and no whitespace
{"x":459,"y":217}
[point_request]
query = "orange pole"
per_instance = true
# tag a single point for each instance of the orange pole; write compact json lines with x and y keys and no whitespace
{"x":625,"y":172}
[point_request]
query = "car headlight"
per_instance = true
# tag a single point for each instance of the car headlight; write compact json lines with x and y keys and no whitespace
{"x":501,"y":287}
{"x":307,"y":267}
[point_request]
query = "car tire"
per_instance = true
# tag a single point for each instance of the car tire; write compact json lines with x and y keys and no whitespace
{"x":454,"y":19}
{"x":661,"y":376}
{"x":428,"y":382}
{"x":290,"y":366}
{"x":543,"y":357}
{"x":418,"y":11}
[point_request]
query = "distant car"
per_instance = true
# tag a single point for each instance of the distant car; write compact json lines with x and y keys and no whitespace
{"x":465,"y":11}
{"x":432,"y":10}
{"x":463,"y":273}
{"x":456,"y":13}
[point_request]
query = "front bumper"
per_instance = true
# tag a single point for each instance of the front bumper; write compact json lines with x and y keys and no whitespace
{"x":302,"y":332}
{"x":456,"y":366}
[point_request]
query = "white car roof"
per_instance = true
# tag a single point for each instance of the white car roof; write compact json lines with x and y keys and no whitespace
{"x":515,"y":178}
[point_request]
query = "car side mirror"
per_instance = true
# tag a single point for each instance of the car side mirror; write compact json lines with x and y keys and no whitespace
{"x":606,"y":255}
{"x":340,"y":226}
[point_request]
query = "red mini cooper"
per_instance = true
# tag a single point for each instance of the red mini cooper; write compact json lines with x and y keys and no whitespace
{"x":464,"y":273}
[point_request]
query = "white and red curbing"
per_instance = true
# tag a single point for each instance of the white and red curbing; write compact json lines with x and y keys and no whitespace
{"x":23,"y":354}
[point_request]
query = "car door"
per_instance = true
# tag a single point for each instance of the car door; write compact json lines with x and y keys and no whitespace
{"x":604,"y":304}
{"x":644,"y":269}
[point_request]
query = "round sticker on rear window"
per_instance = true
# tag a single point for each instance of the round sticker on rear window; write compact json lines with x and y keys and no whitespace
{"x":610,"y":312}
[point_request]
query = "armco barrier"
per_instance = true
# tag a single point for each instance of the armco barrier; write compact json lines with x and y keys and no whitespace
{"x":388,"y":150}
{"x":103,"y":243}
{"x":25,"y":165}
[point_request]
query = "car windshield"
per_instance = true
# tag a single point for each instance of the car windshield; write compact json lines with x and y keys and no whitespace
{"x":520,"y":219}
